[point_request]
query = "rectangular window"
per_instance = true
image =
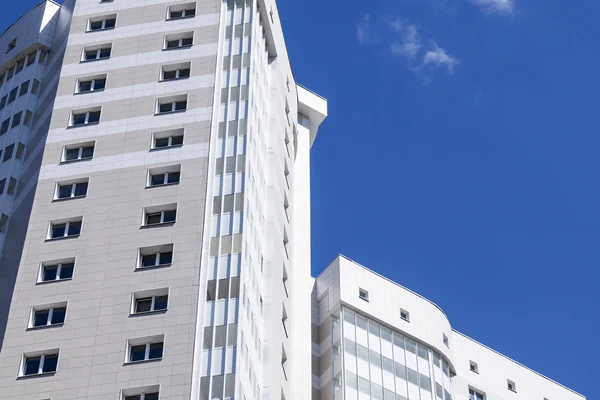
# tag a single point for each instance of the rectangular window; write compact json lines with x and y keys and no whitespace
{"x":56,"y":271}
{"x":97,"y":53}
{"x":156,"y":256}
{"x":12,"y":95}
{"x":31,"y":58}
{"x":171,"y":104}
{"x":20,"y":65}
{"x":150,"y":301}
{"x":405,"y":315}
{"x":78,"y":152}
{"x":5,"y":126}
{"x":81,"y":118}
{"x":42,"y":58}
{"x":35,"y":86}
{"x":71,"y":190}
{"x":12,"y":185}
{"x":24,"y":88}
{"x":3,"y":222}
{"x":511,"y":385}
{"x":164,"y":176}
{"x":10,"y":73}
{"x":162,"y":215}
{"x":8,"y":152}
{"x":142,"y":393}
{"x":95,"y":84}
{"x":473,"y":367}
{"x":145,"y":349}
{"x":475,"y":395}
{"x":20,"y":151}
{"x":16,"y":119}
{"x":70,"y":228}
{"x":445,"y":340}
{"x":167,"y":139}
{"x":175,"y":71}
{"x":3,"y":102}
{"x":44,"y":316}
{"x":44,"y":363}
{"x":102,"y":23}
{"x":179,"y":41}
{"x":363,"y":294}
{"x":181,"y":11}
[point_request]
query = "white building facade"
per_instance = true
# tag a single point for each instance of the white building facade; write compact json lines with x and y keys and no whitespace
{"x":374,"y":339}
{"x":157,"y":231}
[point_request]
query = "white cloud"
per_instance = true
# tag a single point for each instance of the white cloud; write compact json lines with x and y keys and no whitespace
{"x":440,"y":58}
{"x":496,"y":6}
{"x":363,"y":29}
{"x":411,"y":43}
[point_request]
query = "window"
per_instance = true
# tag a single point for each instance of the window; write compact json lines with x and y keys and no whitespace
{"x":179,"y":41}
{"x":150,"y":301}
{"x":12,"y":185}
{"x":4,"y":127}
{"x":48,"y":315}
{"x":97,"y":53}
{"x":164,"y":176}
{"x":42,"y":58}
{"x":24,"y":88}
{"x":405,"y":315}
{"x":8,"y":152}
{"x":86,"y":85}
{"x":511,"y":385}
{"x":143,"y":393}
{"x":475,"y":395}
{"x":20,"y":65}
{"x":473,"y":367}
{"x":363,"y":294}
{"x":156,"y":256}
{"x":2,"y":182}
{"x":16,"y":119}
{"x":31,"y":57}
{"x":145,"y":349}
{"x":101,"y":23}
{"x":181,"y":11}
{"x":27,"y":119}
{"x":445,"y":340}
{"x":3,"y":222}
{"x":175,"y":71}
{"x":38,"y":364}
{"x":81,"y":118}
{"x":20,"y":151}
{"x":166,"y":139}
{"x":79,"y":152}
{"x":56,"y":271}
{"x":70,"y":228}
{"x":3,"y":102}
{"x":11,"y":45}
{"x":171,"y":104}
{"x":160,"y":215}
{"x":12,"y":95}
{"x":228,"y":288}
{"x":71,"y":190}
{"x":35,"y":86}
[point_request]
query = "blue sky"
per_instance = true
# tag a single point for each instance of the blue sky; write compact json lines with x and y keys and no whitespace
{"x":460,"y":158}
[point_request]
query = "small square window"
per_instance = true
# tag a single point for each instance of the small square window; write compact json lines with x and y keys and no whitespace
{"x":473,"y":367}
{"x":511,"y":385}
{"x":405,"y":315}
{"x":363,"y":294}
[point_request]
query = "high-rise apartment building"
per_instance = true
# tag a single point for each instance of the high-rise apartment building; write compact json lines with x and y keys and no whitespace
{"x":155,"y":203}
{"x":374,"y":339}
{"x":155,"y":225}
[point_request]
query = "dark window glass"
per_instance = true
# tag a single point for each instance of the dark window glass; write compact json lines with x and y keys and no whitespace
{"x":110,"y":23}
{"x":64,"y":192}
{"x":171,"y":44}
{"x":71,"y":154}
{"x":50,"y":363}
{"x":8,"y":152}
{"x":162,"y":142}
{"x":32,"y":365}
{"x":50,"y":273}
{"x":138,"y":353}
{"x":16,"y":119}
{"x":143,"y":305}
{"x":160,"y":303}
{"x":180,"y":105}
{"x":91,"y":54}
{"x":94,"y":117}
{"x":166,"y":258}
{"x":58,"y":230}
{"x":136,"y":397}
{"x":95,"y":25}
{"x":170,"y":215}
{"x":88,"y":152}
{"x":85,"y":86}
{"x":157,"y":180}
{"x":58,"y":315}
{"x":170,"y":75}
{"x":187,"y":41}
{"x":79,"y":119}
{"x":100,"y":84}
{"x":190,"y":13}
{"x":66,"y":271}
{"x":156,"y":350}
{"x":184,"y":73}
{"x":12,"y":95}
{"x":4,"y":127}
{"x":19,"y":66}
{"x":176,"y":140}
{"x":153,"y":218}
{"x":3,"y":102}
{"x":24,"y":88}
{"x":31,"y":58}
{"x":164,"y":108}
{"x":151,"y":396}
{"x":81,"y":189}
{"x":105,"y":53}
{"x":173,"y":177}
{"x":75,"y":228}
{"x":148,"y":260}
{"x":40,"y":318}
{"x":176,"y":14}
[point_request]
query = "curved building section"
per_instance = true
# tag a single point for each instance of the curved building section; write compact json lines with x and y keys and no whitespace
{"x":374,"y":339}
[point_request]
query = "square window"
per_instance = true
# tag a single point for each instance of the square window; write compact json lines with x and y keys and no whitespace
{"x":363,"y":294}
{"x":511,"y":385}
{"x":475,"y":395}
{"x":473,"y":367}
{"x":405,"y":315}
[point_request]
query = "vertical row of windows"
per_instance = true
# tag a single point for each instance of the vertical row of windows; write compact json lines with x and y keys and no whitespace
{"x":24,"y":62}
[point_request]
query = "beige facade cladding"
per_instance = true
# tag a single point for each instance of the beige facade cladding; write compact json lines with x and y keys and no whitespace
{"x":98,"y":325}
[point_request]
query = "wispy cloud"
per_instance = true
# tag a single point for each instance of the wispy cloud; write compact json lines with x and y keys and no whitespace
{"x":438,"y":57}
{"x":410,"y":44}
{"x":503,"y":7}
{"x":363,"y":29}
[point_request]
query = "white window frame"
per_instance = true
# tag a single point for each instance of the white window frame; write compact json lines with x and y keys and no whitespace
{"x":162,"y":210}
{"x":146,"y":294}
{"x":42,"y":356}
{"x":164,"y":171}
{"x":363,"y":294}
{"x":170,"y":134}
{"x":58,"y":265}
{"x":98,"y":50}
{"x":180,"y":37}
{"x":80,"y":147}
{"x":173,"y":101}
{"x":73,"y":188}
{"x":476,"y":392}
{"x":140,"y":391}
{"x":102,"y":19}
{"x":473,"y":367}
{"x":404,"y":318}
{"x":93,"y":81}
{"x":184,"y":8}
{"x":67,"y":225}
{"x":177,"y":68}
{"x":50,"y":308}
{"x":156,"y":251}
{"x":145,"y":341}
{"x":511,"y":385}
{"x":87,"y":117}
